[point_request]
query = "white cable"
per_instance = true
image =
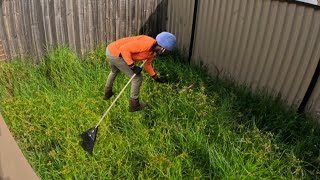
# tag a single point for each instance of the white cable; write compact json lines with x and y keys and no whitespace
{"x":114,"y":101}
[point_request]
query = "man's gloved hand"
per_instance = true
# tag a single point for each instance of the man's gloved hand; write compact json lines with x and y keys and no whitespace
{"x":136,"y":69}
{"x":159,"y":80}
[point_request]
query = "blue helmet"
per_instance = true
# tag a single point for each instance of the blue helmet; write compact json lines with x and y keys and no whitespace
{"x":166,"y":40}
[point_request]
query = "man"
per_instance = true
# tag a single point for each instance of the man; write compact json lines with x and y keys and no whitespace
{"x":122,"y":55}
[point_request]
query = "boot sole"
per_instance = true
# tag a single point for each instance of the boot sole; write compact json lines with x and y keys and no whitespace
{"x":134,"y":109}
{"x":107,"y":97}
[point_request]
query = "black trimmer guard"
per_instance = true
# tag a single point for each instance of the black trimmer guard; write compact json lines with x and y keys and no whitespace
{"x":88,"y":139}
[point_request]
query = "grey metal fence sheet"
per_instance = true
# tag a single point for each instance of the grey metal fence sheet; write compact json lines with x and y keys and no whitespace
{"x":264,"y":44}
{"x":180,"y":15}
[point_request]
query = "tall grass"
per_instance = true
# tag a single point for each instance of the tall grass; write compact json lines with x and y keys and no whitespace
{"x":215,"y":130}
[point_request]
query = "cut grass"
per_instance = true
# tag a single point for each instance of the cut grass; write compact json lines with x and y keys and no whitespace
{"x":215,"y":130}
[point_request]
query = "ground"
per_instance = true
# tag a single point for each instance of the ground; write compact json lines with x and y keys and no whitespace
{"x":215,"y":129}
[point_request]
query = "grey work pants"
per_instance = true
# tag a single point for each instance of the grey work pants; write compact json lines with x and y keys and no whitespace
{"x":118,"y":64}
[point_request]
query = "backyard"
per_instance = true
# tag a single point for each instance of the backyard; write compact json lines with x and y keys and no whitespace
{"x":195,"y":127}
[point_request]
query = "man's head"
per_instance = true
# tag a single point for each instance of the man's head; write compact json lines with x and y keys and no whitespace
{"x":166,"y":42}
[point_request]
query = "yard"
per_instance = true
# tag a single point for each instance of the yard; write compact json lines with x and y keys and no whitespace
{"x":212,"y":130}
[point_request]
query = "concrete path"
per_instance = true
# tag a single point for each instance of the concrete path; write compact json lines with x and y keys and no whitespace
{"x":13,"y":165}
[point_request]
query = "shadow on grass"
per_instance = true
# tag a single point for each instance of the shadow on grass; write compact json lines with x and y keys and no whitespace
{"x":297,"y":133}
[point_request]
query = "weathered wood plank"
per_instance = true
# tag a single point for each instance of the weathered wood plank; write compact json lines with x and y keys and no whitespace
{"x":43,"y":6}
{"x":95,"y":23}
{"x":85,"y":25}
{"x":138,"y":15}
{"x":26,"y":26}
{"x":46,"y":20}
{"x":14,"y":28}
{"x":3,"y":34}
{"x":69,"y":25}
{"x":12,"y":32}
{"x":99,"y":29}
{"x":91,"y":23}
{"x":108,"y":21}
{"x":122,"y":18}
{"x":113,"y":16}
{"x":64,"y":28}
{"x":117,"y":19}
{"x":81,"y":26}
{"x":133,"y":17}
{"x":103,"y":11}
{"x":101,"y":16}
{"x":20,"y":29}
{"x":40,"y":28}
{"x":57,"y":16}
{"x":127,"y":21}
{"x":77,"y":36}
{"x":52,"y":20}
{"x":34,"y":30}
{"x":7,"y":28}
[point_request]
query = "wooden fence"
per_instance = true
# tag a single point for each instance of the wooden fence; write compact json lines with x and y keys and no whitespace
{"x":28,"y":27}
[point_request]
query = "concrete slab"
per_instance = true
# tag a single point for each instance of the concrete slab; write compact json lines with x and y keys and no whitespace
{"x":13,"y":165}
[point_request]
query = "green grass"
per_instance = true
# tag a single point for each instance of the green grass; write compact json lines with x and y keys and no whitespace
{"x":215,"y":130}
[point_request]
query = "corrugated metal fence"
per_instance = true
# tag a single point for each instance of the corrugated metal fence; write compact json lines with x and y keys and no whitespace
{"x":29,"y":26}
{"x":265,"y":44}
{"x":180,"y":21}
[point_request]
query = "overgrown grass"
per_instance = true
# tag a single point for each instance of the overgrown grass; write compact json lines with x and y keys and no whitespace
{"x":215,"y":130}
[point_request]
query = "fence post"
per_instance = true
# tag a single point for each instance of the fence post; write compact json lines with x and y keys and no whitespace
{"x":194,"y":22}
{"x":310,"y":89}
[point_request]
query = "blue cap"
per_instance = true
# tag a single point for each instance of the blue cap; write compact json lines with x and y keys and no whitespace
{"x":166,"y":40}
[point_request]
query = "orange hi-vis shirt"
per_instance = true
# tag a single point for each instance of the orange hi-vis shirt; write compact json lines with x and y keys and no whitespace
{"x":136,"y":48}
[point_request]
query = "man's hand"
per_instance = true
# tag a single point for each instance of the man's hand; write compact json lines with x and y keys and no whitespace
{"x":159,"y":80}
{"x":136,"y":69}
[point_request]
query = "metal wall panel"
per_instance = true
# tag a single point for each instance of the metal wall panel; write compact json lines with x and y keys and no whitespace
{"x":180,"y":16}
{"x":264,"y":44}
